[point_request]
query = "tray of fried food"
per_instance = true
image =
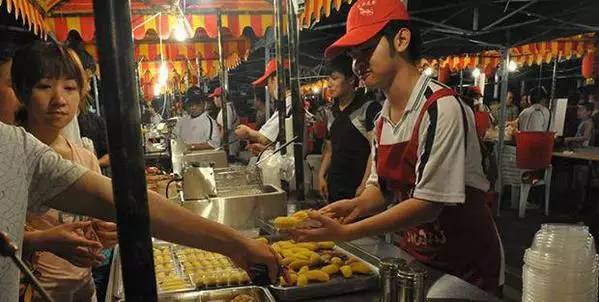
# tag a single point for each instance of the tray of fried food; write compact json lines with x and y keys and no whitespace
{"x":169,"y":277}
{"x":208,"y":270}
{"x":298,"y":220}
{"x":318,"y":269}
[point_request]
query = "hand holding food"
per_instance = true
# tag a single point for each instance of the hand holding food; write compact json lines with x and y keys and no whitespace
{"x":300,"y":219}
{"x":329,"y":229}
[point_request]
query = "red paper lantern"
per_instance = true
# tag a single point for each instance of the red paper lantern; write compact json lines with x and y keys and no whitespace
{"x":443,"y":74}
{"x":587,"y":65}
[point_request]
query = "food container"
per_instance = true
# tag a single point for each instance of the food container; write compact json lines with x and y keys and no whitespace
{"x":253,"y":293}
{"x":338,"y":285}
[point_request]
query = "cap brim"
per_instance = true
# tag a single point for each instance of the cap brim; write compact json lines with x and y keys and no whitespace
{"x":261,"y":82}
{"x":353,"y":38}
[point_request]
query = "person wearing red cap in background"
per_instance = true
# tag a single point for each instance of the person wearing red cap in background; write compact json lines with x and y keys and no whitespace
{"x":269,"y":132}
{"x":427,"y":159}
{"x":232,"y":119}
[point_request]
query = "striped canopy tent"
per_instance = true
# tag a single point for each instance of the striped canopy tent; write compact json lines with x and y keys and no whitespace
{"x":523,"y":55}
{"x":27,"y":13}
{"x":237,"y":16}
{"x":314,"y":10}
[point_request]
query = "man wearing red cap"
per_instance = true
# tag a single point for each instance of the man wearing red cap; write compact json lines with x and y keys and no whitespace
{"x":232,"y":119}
{"x":427,"y":161}
{"x":270,"y":130}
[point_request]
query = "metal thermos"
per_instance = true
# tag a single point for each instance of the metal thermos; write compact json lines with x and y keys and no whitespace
{"x":389,"y":271}
{"x":411,"y":284}
{"x":401,"y":282}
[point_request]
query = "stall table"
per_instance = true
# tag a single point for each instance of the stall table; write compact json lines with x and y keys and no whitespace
{"x":588,"y":154}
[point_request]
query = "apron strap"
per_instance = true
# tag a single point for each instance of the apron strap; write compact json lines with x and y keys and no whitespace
{"x":439,"y":94}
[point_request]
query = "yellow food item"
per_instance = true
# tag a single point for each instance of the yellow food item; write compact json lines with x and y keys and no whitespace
{"x":243,"y":298}
{"x":287,"y":261}
{"x":302,"y":280}
{"x":297,"y":264}
{"x":303,"y":269}
{"x":300,"y":250}
{"x":361,"y":268}
{"x":352,"y":260}
{"x":326,"y":245}
{"x":285,"y":223}
{"x":330,"y":269}
{"x":314,"y":259}
{"x":292,"y":278}
{"x":262,"y":239}
{"x":300,"y":215}
{"x":317,"y":275}
{"x":325,"y":258}
{"x":287,"y":253}
{"x":346,"y":271}
{"x":308,"y":245}
{"x":337,"y":260}
{"x":286,"y":244}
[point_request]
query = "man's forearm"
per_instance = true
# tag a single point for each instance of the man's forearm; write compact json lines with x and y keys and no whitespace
{"x":325,"y":163}
{"x":257,"y":137}
{"x":371,"y":200}
{"x":407,"y":214}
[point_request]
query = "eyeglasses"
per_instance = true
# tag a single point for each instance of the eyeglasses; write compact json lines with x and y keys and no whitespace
{"x":366,"y":49}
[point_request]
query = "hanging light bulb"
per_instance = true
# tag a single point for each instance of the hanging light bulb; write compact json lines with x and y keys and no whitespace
{"x":181,"y":32}
{"x":512,"y":66}
{"x":428,"y":71}
{"x":316,"y":89}
{"x":476,"y":73}
{"x":163,"y":74}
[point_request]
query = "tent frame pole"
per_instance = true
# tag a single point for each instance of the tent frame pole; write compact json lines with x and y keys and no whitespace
{"x":223,"y":83}
{"x":281,"y":74}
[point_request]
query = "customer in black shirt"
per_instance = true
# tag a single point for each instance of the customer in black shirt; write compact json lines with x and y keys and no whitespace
{"x":345,"y":162}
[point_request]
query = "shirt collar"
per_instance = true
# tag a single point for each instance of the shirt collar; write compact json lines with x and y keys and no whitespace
{"x":415,"y":96}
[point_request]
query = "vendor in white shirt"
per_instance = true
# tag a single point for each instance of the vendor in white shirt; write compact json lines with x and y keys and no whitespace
{"x":269,"y":132}
{"x":536,"y":117}
{"x":197,"y":129}
{"x":232,"y":119}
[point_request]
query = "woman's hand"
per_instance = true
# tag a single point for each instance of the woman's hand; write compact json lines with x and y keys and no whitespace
{"x":330,"y":229}
{"x":106,"y":232}
{"x":64,"y":242}
{"x":347,"y":210}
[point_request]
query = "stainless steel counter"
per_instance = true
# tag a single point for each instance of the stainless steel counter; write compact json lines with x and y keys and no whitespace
{"x":440,"y":286}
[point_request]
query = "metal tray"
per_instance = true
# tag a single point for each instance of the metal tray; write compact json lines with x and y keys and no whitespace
{"x":336,"y":286}
{"x":259,"y":294}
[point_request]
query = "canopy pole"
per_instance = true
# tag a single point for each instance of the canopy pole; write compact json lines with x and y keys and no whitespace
{"x":223,"y":83}
{"x":198,"y":71}
{"x":298,"y":106}
{"x":96,"y":96}
{"x":120,"y":98}
{"x":505,"y":73}
{"x":553,"y":85}
{"x":267,"y":100}
{"x":281,"y":74}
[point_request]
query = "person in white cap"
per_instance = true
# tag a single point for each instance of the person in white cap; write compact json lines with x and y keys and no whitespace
{"x":427,"y":170}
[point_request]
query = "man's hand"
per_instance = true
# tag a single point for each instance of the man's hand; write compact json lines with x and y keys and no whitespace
{"x":330,"y":229}
{"x":242,"y":132}
{"x":106,"y":232}
{"x":64,"y":242}
{"x":323,"y":187}
{"x":255,"y":148}
{"x":360,"y":189}
{"x":254,"y":252}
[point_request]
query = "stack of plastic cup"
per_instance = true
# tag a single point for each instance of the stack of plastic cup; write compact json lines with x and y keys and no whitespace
{"x":561,"y":265}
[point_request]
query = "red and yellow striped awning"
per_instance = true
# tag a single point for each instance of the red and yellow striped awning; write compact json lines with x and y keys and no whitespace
{"x":314,"y":10}
{"x":524,"y":55}
{"x":29,"y":15}
{"x":207,"y":50}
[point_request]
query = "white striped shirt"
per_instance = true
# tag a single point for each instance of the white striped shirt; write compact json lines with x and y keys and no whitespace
{"x":449,"y":157}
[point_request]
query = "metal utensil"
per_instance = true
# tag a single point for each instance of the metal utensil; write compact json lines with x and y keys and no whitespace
{"x":9,"y":249}
{"x":278,"y":150}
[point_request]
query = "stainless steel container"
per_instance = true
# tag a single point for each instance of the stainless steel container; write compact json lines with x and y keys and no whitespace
{"x":242,"y":211}
{"x":198,"y":183}
{"x":207,"y":158}
{"x":411,"y":284}
{"x":389,"y":270}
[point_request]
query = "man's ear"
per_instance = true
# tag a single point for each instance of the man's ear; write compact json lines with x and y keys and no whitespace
{"x":402,"y":39}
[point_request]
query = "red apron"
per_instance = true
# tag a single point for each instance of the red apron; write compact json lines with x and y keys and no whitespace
{"x":463,"y":241}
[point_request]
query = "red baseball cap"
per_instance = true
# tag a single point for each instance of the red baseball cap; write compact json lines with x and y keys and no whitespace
{"x":271,"y":68}
{"x":217,"y":92}
{"x":366,"y":19}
